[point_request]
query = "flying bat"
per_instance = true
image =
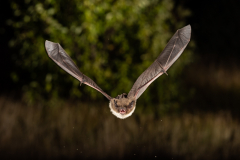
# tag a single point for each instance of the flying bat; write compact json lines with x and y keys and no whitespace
{"x":124,"y":105}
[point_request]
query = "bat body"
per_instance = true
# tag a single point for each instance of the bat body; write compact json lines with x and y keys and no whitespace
{"x":124,"y":105}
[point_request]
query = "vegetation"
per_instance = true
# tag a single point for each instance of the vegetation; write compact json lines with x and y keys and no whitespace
{"x":77,"y":130}
{"x":112,"y":42}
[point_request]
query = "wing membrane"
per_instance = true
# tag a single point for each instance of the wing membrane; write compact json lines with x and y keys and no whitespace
{"x":62,"y":59}
{"x":169,"y":55}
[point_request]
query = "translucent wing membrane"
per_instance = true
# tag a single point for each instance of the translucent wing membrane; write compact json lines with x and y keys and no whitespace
{"x":169,"y":55}
{"x":61,"y":58}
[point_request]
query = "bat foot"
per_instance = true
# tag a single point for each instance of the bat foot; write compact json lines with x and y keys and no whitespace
{"x":124,"y":95}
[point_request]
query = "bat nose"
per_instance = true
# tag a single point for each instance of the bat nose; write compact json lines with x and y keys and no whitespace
{"x":122,"y":111}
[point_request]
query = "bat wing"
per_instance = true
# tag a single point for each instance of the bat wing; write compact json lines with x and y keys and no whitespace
{"x":61,"y":58}
{"x":169,"y":55}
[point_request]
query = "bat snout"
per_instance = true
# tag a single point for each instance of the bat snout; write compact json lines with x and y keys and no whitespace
{"x":122,"y":111}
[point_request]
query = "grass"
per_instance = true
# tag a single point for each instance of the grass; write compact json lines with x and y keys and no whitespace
{"x":67,"y":130}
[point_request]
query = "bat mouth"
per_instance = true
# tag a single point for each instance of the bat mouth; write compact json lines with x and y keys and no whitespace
{"x":122,"y":111}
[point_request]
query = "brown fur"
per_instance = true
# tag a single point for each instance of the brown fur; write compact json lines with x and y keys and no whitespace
{"x":122,"y":103}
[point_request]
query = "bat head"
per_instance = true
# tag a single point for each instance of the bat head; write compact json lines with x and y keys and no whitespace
{"x":122,"y":108}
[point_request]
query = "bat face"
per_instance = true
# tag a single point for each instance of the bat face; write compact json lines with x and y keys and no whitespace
{"x":122,"y":108}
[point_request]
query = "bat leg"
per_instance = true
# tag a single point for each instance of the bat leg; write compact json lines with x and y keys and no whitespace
{"x":124,"y":95}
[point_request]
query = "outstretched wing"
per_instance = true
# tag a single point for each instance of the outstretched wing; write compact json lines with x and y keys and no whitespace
{"x":169,"y":55}
{"x":61,"y":58}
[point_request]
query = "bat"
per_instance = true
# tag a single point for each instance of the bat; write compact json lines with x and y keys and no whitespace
{"x":124,"y":105}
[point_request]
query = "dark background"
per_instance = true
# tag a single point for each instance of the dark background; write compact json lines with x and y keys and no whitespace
{"x":200,"y":122}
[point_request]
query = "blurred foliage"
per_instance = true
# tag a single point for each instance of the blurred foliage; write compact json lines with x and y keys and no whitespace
{"x":112,"y":42}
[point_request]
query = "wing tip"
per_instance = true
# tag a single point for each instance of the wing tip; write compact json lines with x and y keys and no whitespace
{"x":186,"y":31}
{"x":187,"y":27}
{"x":49,"y":43}
{"x":50,"y":46}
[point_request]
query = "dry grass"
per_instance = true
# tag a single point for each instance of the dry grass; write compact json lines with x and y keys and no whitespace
{"x":75,"y":130}
{"x":217,"y":76}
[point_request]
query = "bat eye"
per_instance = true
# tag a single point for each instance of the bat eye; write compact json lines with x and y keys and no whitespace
{"x":131,"y":104}
{"x":115,"y":102}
